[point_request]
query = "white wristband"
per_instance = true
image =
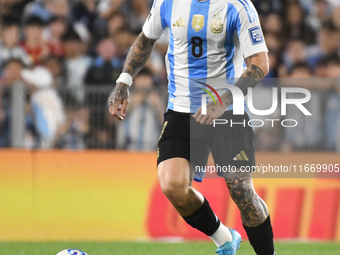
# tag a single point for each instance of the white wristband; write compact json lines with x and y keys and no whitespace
{"x":125,"y":78}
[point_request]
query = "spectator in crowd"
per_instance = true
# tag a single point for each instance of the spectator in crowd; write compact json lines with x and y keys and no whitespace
{"x":102,"y":135}
{"x":10,"y":43}
{"x":274,"y":42}
{"x":265,"y":7}
{"x":136,"y":13}
{"x":321,"y":68}
{"x":140,"y":129}
{"x":4,"y":128}
{"x":11,"y":75}
{"x":295,"y":53}
{"x":338,"y":137}
{"x":84,"y":11}
{"x":336,"y":18}
{"x":53,"y":33}
{"x":17,"y":9}
{"x":12,"y":72}
{"x":333,"y":67}
{"x":307,"y":135}
{"x":73,"y":133}
{"x":45,"y":9}
{"x":76,"y":63}
{"x":329,"y":41}
{"x":319,"y":13}
{"x":34,"y":43}
{"x":54,"y":65}
{"x":37,"y":8}
{"x":64,"y":35}
{"x":106,"y":67}
{"x":46,"y":104}
{"x":13,"y":8}
{"x":273,"y":24}
{"x":296,"y":27}
{"x":115,"y":24}
{"x":103,"y":72}
{"x":59,"y":8}
{"x":106,"y":8}
{"x":268,"y":136}
{"x":332,"y":116}
{"x":273,"y":65}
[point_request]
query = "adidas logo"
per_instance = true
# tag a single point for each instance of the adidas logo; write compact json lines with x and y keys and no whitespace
{"x":241,"y":157}
{"x":179,"y":23}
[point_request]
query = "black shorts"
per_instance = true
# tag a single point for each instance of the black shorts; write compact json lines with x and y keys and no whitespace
{"x":231,"y":143}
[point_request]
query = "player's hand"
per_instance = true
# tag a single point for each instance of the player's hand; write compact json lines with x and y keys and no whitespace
{"x":213,"y":112}
{"x":119,"y":100}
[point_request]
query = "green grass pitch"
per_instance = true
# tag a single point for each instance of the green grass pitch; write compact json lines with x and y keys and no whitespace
{"x":159,"y":248}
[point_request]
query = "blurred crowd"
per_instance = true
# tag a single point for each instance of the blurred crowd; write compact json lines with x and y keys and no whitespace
{"x":68,"y":54}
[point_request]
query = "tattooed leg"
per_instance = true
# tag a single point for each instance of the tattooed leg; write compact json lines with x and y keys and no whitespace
{"x":253,"y":209}
{"x":254,"y":213}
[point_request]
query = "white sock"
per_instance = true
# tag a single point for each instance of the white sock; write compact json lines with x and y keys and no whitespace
{"x":221,"y":236}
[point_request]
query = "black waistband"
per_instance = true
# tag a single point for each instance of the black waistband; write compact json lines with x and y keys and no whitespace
{"x":180,"y":113}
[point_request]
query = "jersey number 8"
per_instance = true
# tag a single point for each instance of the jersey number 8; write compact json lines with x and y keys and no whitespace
{"x":197,"y":46}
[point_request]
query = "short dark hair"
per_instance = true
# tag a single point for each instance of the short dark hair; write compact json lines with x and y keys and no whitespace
{"x":55,"y":18}
{"x":299,"y":65}
{"x":71,"y":35}
{"x":145,"y":71}
{"x":329,"y":26}
{"x":322,"y":62}
{"x":34,"y":21}
{"x":13,"y":60}
{"x":335,"y":59}
{"x":9,"y":21}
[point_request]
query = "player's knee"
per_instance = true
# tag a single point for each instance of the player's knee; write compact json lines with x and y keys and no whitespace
{"x":173,"y":178}
{"x":173,"y":188}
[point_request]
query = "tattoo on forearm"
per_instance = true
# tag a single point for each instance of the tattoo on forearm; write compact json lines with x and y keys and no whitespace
{"x":139,"y":53}
{"x":250,"y":78}
{"x":254,"y":71}
{"x":253,"y":210}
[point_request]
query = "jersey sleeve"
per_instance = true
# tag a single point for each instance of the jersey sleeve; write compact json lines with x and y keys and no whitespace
{"x":249,"y":30}
{"x":155,"y":25}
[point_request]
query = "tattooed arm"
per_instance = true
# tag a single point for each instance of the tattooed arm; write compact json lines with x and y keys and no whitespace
{"x":139,"y":53}
{"x":257,"y":69}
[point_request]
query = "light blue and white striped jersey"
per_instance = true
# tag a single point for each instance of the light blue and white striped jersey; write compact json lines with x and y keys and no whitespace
{"x":208,"y":40}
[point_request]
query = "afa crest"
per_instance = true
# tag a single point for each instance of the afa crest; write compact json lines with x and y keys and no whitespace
{"x":197,"y":22}
{"x":217,"y":24}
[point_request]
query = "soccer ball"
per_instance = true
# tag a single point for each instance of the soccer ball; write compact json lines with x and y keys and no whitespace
{"x":71,"y":252}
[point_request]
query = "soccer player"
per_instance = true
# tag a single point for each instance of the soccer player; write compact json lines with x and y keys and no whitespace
{"x":208,"y":39}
